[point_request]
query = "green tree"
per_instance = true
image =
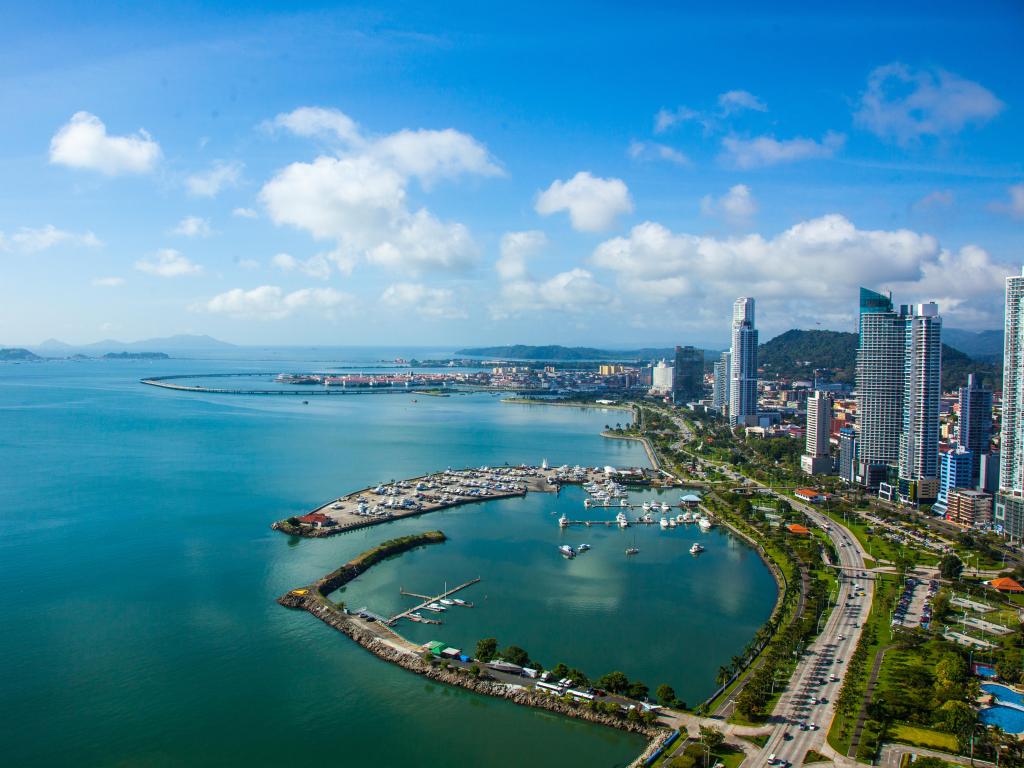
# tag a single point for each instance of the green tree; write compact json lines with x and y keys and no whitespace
{"x":614,"y":682}
{"x":579,"y":678}
{"x":950,"y":567}
{"x":637,"y":690}
{"x":958,"y":718}
{"x":516,"y":655}
{"x":560,"y":671}
{"x":666,"y":695}
{"x":486,"y":649}
{"x":712,"y":738}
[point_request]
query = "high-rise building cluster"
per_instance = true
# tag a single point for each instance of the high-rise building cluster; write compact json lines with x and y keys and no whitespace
{"x":899,"y":388}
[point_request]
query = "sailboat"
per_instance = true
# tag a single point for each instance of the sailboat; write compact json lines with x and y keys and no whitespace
{"x":633,"y":548}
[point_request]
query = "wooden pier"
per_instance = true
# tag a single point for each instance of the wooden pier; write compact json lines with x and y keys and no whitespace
{"x":427,"y":601}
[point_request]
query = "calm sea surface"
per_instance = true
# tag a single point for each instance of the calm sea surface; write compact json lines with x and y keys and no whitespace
{"x":138,"y":575}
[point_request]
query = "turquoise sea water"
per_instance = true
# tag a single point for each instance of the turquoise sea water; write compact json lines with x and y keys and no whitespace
{"x":138,"y":576}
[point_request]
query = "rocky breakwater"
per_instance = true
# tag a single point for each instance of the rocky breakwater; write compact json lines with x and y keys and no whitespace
{"x":388,"y":645}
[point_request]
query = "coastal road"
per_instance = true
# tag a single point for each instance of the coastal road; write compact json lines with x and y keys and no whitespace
{"x":800,"y":722}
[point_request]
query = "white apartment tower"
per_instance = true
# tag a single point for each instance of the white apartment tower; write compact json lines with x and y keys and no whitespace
{"x":1009,"y":506}
{"x":817,"y":460}
{"x":743,"y":364}
{"x":922,"y":392}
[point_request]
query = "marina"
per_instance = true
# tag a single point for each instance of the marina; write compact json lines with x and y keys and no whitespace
{"x":453,"y":487}
{"x":438,"y":604}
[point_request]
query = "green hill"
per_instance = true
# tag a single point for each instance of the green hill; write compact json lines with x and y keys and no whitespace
{"x":796,"y":353}
{"x":17,"y":354}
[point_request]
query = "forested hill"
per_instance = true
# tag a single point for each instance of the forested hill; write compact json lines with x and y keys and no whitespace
{"x":556,"y":352}
{"x":797,"y":353}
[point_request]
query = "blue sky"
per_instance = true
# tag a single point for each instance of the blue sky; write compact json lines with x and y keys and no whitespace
{"x":581,"y":173}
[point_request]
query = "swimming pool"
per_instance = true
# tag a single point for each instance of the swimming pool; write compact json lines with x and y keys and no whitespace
{"x":1009,"y":719}
{"x":984,"y":670}
{"x":1008,"y":713}
{"x":1003,"y":694}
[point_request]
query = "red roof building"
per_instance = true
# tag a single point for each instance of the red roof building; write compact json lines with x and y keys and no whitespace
{"x":1005,"y":585}
{"x":315,"y":519}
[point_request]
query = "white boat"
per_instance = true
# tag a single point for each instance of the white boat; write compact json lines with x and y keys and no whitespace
{"x":663,"y":523}
{"x":563,"y":522}
{"x":621,"y":520}
{"x":632,"y":550}
{"x":680,"y":519}
{"x":446,"y":601}
{"x":672,"y":522}
{"x":567,"y":552}
{"x":623,"y":503}
{"x":704,"y":523}
{"x":647,"y":506}
{"x":687,"y":517}
{"x":583,"y":547}
{"x":664,"y":507}
{"x":697,"y":548}
{"x":587,"y":503}
{"x":437,"y":607}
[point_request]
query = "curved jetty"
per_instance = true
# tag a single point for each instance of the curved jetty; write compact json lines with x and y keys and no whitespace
{"x":382,"y":641}
{"x":441,"y":490}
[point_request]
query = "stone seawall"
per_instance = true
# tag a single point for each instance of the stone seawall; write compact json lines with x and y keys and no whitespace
{"x":408,"y":659}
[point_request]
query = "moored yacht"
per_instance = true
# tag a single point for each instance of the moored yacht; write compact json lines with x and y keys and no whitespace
{"x":704,"y":523}
{"x":567,"y":552}
{"x":663,"y":523}
{"x":697,"y":548}
{"x":563,"y":522}
{"x":621,"y":520}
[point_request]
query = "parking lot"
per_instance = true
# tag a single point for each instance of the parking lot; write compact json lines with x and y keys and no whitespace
{"x":914,"y":608}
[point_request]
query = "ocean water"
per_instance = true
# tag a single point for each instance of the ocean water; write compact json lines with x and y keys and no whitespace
{"x":138,"y":576}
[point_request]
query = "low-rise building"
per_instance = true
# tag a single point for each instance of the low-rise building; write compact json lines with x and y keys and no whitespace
{"x":968,"y":507}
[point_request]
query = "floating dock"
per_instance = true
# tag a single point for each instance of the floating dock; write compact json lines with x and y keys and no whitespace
{"x":427,"y":601}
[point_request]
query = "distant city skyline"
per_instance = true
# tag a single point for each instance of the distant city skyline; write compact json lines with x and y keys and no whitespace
{"x":427,"y":176}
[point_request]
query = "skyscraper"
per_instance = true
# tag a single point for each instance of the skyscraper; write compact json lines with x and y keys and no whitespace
{"x":922,"y":391}
{"x":720,"y":395}
{"x":975,"y":430}
{"x":743,"y":364}
{"x":954,"y":472}
{"x":880,"y":371}
{"x":817,"y":461}
{"x":899,"y":366}
{"x":688,"y":375}
{"x":848,"y":454}
{"x":1009,"y":507}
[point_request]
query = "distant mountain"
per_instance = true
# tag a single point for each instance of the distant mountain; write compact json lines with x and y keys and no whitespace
{"x":981,"y":345}
{"x":17,"y":354}
{"x":558,"y":353}
{"x":796,"y":353}
{"x":171,"y":343}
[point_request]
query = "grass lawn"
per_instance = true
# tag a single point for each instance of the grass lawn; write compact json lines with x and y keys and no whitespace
{"x":813,"y":756}
{"x":925,"y":737}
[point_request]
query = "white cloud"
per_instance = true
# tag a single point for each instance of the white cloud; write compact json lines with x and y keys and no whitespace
{"x":33,"y":240}
{"x":108,"y":282}
{"x":666,"y":119}
{"x":516,"y":249}
{"x":767,"y":150}
{"x":168,"y":262}
{"x":938,"y":200}
{"x":737,"y":205}
{"x":652,"y":150}
{"x":83,"y":142}
{"x":805,"y":274}
{"x":245,"y":213}
{"x":432,"y":303}
{"x":269,"y":302}
{"x":592,"y":202}
{"x":316,"y":266}
{"x":318,"y":122}
{"x":358,"y":197}
{"x":573,"y":291}
{"x":248,"y":264}
{"x":902,"y":104}
{"x":221,"y":175}
{"x":193,"y":226}
{"x":1014,"y":206}
{"x":422,"y":243}
{"x":737,"y":101}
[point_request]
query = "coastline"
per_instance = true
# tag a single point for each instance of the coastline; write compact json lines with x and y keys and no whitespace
{"x":565,"y":404}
